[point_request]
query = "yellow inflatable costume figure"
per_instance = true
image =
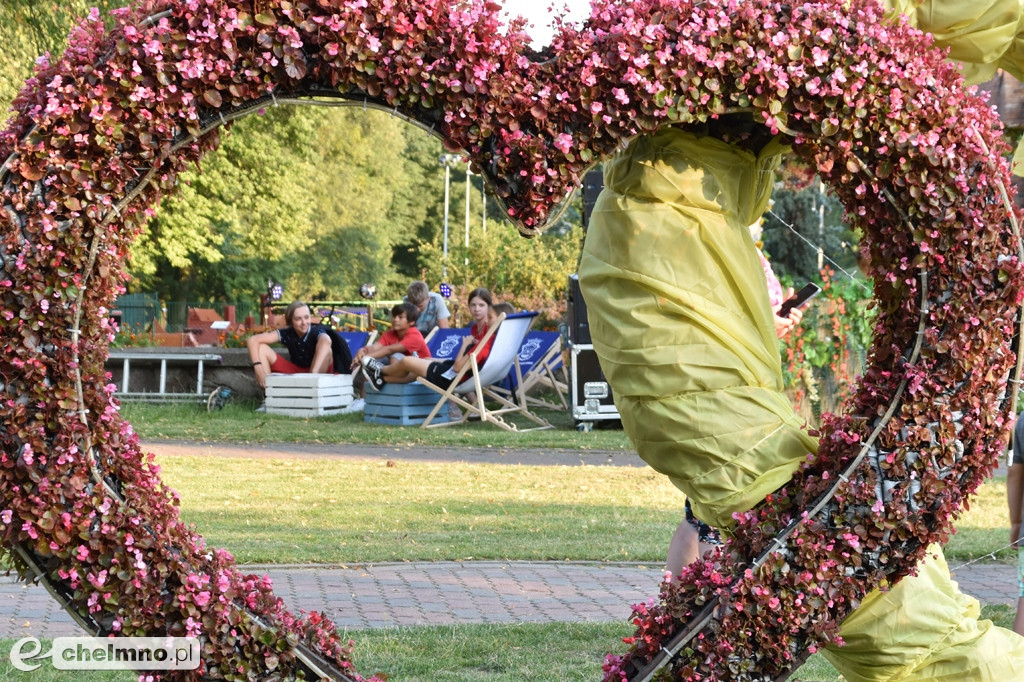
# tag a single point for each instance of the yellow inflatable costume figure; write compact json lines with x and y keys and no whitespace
{"x":680,"y":318}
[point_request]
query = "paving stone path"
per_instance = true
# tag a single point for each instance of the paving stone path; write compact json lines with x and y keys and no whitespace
{"x":443,"y":593}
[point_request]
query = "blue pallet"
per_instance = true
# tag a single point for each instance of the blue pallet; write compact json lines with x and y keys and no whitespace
{"x":402,"y":405}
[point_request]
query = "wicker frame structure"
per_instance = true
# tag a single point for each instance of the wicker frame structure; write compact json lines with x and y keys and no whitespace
{"x":100,"y":136}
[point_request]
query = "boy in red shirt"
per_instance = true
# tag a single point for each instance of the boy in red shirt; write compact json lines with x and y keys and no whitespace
{"x":402,"y":339}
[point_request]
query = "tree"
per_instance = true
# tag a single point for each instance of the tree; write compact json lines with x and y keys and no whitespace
{"x":240,"y":220}
{"x":817,"y":217}
{"x":30,"y":29}
{"x":369,"y":204}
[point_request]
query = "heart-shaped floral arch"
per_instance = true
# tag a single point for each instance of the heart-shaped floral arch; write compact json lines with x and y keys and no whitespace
{"x":101,"y":136}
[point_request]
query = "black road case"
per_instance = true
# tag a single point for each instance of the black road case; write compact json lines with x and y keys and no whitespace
{"x":591,"y":396}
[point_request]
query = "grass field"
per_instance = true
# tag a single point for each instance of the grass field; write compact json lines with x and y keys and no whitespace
{"x":550,"y":652}
{"x":237,"y":422}
{"x":339,"y":511}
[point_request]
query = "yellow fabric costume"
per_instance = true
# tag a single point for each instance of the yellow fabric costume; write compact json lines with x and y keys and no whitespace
{"x":679,"y":315}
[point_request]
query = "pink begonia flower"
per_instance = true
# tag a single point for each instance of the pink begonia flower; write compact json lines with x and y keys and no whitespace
{"x":563,"y":142}
{"x":98,"y":579}
{"x":5,"y":516}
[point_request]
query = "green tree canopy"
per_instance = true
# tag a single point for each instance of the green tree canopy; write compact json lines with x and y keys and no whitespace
{"x":30,"y":29}
{"x":320,"y":199}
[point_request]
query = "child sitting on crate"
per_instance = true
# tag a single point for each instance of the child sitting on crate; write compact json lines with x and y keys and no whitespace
{"x":401,"y":340}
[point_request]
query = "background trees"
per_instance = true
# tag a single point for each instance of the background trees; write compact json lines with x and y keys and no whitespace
{"x":325,"y":199}
{"x":319,"y":199}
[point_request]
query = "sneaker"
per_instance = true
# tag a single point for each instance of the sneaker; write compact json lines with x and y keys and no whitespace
{"x":372,"y":368}
{"x":357,"y":405}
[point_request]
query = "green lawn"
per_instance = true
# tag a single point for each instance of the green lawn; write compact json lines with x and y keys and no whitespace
{"x":340,"y":511}
{"x":237,"y":422}
{"x":565,"y":652}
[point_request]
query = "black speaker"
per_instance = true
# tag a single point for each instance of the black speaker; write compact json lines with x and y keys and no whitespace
{"x":593,"y":183}
{"x":579,"y":329}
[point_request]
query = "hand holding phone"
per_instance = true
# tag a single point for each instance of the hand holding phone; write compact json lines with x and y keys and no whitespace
{"x":800,"y":299}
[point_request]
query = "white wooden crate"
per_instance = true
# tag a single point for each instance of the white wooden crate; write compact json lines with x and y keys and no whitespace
{"x":308,"y":395}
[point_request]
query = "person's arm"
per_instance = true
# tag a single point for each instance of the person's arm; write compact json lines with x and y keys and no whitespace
{"x":463,"y":356}
{"x":442,"y":314}
{"x":1015,"y":498}
{"x":365,"y":351}
{"x":784,"y":325}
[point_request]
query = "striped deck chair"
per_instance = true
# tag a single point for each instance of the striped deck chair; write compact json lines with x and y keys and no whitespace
{"x":540,"y":365}
{"x":508,"y":339}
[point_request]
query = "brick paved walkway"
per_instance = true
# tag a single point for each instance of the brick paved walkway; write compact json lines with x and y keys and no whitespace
{"x":441,"y":593}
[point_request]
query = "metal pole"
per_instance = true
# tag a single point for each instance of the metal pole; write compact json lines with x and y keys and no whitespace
{"x":483,"y":204}
{"x":468,"y":185}
{"x":444,"y":261}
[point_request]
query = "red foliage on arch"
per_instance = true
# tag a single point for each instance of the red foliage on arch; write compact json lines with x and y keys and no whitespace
{"x":101,"y":135}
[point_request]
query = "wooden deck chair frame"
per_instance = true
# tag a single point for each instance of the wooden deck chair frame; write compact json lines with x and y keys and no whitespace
{"x":484,"y":391}
{"x":543,"y":372}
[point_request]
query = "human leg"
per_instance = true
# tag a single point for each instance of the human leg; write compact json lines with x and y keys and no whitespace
{"x":682,"y":549}
{"x":692,"y":539}
{"x":1018,"y":622}
{"x":395,"y":359}
{"x":267,"y":356}
{"x":406,"y":365}
{"x":406,"y":369}
{"x":322,"y":359}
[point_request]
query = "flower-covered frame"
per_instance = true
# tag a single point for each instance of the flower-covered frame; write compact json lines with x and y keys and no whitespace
{"x":101,"y":135}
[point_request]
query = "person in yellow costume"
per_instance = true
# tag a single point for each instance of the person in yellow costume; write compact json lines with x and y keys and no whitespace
{"x":680,"y":319}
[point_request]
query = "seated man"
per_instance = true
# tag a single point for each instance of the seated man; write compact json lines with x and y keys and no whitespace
{"x":312,"y":348}
{"x":404,"y":338}
{"x":432,"y":310}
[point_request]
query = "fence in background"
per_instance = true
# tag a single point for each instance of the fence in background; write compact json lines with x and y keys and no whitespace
{"x":138,"y":311}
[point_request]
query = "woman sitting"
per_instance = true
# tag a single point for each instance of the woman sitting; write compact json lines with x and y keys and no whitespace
{"x":440,"y":372}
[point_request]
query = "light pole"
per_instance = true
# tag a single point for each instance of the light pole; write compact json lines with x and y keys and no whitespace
{"x":446,"y":160}
{"x":468,"y":185}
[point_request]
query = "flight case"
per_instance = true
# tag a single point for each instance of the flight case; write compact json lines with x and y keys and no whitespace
{"x":591,"y":398}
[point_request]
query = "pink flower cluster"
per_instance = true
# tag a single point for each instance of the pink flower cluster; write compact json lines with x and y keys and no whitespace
{"x":100,"y":136}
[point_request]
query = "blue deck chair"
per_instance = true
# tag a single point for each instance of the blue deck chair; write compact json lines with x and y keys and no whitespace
{"x":508,"y":335}
{"x":357,"y":340}
{"x":540,"y":365}
{"x":444,"y":344}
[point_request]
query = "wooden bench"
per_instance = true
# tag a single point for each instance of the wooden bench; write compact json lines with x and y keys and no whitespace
{"x":401,"y":405}
{"x":161,"y":394}
{"x":308,"y":395}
